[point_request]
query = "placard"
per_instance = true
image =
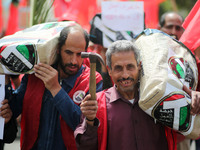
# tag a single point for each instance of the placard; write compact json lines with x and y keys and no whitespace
{"x":123,"y":16}
{"x":2,"y":96}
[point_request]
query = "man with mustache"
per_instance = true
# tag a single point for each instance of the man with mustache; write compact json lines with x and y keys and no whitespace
{"x":49,"y":98}
{"x":171,"y":23}
{"x":121,"y":124}
{"x":115,"y":121}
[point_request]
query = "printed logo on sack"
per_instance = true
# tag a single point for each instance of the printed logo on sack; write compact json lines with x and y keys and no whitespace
{"x":78,"y":96}
{"x":174,"y":111}
{"x":40,"y":27}
{"x":182,"y":70}
{"x":18,"y":58}
{"x":49,"y":25}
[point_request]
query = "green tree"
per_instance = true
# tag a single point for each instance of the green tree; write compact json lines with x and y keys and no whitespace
{"x":181,"y":6}
{"x":39,"y":11}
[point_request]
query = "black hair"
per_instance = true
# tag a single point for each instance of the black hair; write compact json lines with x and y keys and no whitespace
{"x":162,"y":18}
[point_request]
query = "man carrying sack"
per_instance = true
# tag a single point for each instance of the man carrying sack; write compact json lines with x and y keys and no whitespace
{"x":48,"y":99}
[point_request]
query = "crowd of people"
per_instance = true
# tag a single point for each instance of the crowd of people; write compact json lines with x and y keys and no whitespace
{"x":53,"y":118}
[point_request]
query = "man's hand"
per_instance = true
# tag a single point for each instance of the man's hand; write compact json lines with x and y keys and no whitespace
{"x":49,"y":76}
{"x":5,"y":111}
{"x":195,"y":105}
{"x":89,"y":108}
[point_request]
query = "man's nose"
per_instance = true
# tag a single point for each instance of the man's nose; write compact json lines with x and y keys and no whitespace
{"x":125,"y":74}
{"x":74,"y":59}
{"x":174,"y":30}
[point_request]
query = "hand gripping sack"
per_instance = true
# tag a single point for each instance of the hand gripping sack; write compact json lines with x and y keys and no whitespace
{"x":168,"y":68}
{"x":21,"y":51}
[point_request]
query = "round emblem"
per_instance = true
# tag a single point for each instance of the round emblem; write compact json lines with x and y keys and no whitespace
{"x":182,"y":70}
{"x":78,"y":96}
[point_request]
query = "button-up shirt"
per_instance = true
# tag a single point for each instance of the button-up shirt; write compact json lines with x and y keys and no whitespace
{"x":49,"y":136}
{"x":129,"y":127}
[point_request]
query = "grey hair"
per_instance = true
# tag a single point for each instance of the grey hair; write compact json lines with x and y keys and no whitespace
{"x":122,"y":46}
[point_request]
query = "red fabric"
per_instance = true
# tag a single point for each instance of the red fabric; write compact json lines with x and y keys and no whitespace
{"x":191,"y":35}
{"x":23,"y":3}
{"x":20,"y":77}
{"x":59,"y":7}
{"x":33,"y":100}
{"x":86,"y":61}
{"x":198,"y":67}
{"x":13,"y":20}
{"x":102,"y":116}
{"x":82,"y":83}
{"x":180,"y":137}
{"x":171,"y":136}
{"x":151,"y":9}
{"x":81,"y":11}
{"x":1,"y":19}
{"x":30,"y":120}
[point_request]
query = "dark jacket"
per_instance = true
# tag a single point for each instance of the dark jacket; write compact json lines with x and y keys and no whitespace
{"x":10,"y":132}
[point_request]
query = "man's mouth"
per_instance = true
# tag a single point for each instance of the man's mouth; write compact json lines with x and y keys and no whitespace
{"x":72,"y":68}
{"x":126,"y":82}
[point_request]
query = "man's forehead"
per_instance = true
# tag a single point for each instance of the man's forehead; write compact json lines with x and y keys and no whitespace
{"x":125,"y":52}
{"x":122,"y":57}
{"x":173,"y":19}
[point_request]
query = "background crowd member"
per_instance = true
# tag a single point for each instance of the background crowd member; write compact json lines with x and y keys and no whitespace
{"x":10,"y":128}
{"x":46,"y":99}
{"x":96,"y":45}
{"x":118,"y":122}
{"x":171,"y":23}
{"x":16,"y":80}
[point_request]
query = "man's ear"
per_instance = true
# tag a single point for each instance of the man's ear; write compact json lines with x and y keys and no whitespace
{"x":57,"y":51}
{"x":158,"y":27}
{"x":140,"y":65}
{"x":109,"y":70}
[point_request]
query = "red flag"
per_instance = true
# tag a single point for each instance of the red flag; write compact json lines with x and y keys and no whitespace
{"x":151,"y":9}
{"x":191,"y":35}
{"x":76,"y":10}
{"x":13,"y":20}
{"x":60,"y":6}
{"x":1,"y":19}
{"x":23,"y":3}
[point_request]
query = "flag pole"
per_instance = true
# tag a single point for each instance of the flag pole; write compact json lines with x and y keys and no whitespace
{"x":32,"y":10}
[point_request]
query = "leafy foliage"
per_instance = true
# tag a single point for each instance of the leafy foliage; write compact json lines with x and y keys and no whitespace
{"x":183,"y":6}
{"x":40,"y":10}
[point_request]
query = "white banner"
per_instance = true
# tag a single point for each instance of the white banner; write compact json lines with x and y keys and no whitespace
{"x":2,"y":96}
{"x":123,"y":16}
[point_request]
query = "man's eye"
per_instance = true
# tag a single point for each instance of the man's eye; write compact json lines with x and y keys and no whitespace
{"x":68,"y":52}
{"x":130,"y":67}
{"x":78,"y":54}
{"x":169,"y":27}
{"x":117,"y":68}
{"x":178,"y":28}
